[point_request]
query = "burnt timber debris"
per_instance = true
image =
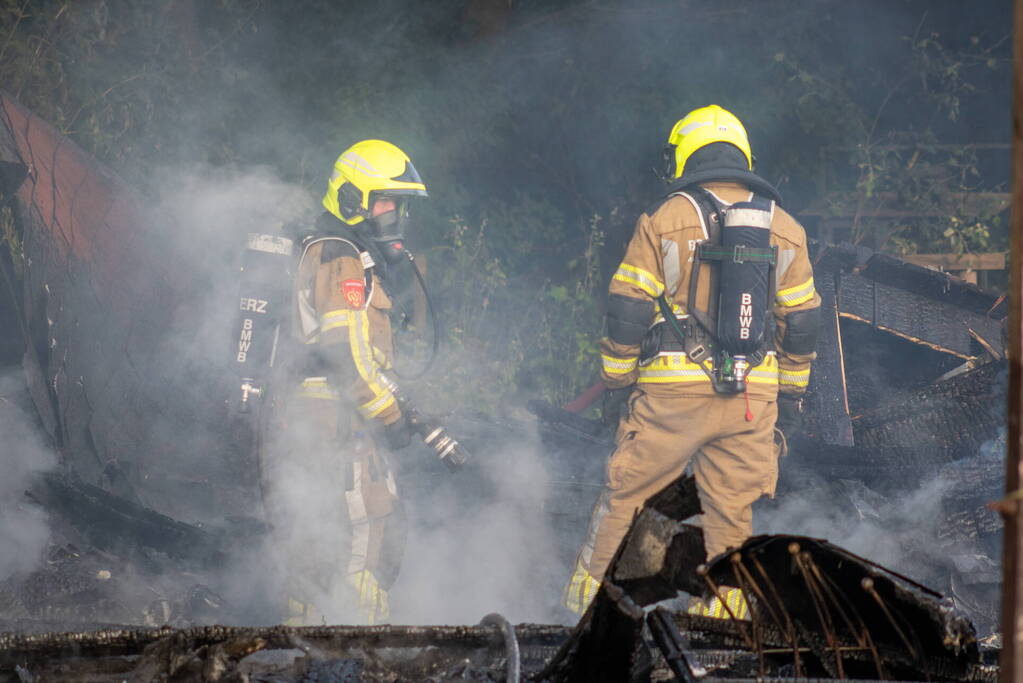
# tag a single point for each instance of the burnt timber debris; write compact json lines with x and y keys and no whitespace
{"x":909,"y":381}
{"x":815,"y":611}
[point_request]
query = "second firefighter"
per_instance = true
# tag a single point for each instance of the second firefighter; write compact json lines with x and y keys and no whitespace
{"x":329,"y":487}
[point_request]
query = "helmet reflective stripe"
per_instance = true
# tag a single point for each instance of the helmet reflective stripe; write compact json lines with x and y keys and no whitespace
{"x":686,"y":130}
{"x":702,"y":127}
{"x":353,"y":160}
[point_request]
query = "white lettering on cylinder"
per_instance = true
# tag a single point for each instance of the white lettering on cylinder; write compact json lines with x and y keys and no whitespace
{"x":245,"y":340}
{"x":745,"y":314}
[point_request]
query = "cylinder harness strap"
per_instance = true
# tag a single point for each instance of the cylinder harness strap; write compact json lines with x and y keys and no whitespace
{"x":699,"y":337}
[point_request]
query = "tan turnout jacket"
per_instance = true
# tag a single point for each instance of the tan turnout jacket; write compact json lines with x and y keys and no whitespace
{"x":349,"y":323}
{"x":660,"y":257}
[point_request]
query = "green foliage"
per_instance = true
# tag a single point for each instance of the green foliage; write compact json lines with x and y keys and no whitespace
{"x":531,"y":334}
{"x":904,"y":191}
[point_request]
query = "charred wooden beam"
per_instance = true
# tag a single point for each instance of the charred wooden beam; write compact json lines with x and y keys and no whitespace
{"x":827,"y":400}
{"x":370,"y":653}
{"x":116,"y":525}
{"x":657,"y":558}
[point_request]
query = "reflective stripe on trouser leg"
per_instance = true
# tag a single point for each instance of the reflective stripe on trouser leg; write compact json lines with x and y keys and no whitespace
{"x":377,"y":531}
{"x":373,"y":604}
{"x":358,"y":521}
{"x":735,"y":605}
{"x":582,"y":585}
{"x":581,"y":589}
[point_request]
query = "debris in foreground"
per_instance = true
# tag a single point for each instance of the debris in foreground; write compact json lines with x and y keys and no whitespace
{"x":815,"y":611}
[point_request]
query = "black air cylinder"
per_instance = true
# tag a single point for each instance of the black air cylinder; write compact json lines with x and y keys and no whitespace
{"x":262,"y":297}
{"x":744,"y":296}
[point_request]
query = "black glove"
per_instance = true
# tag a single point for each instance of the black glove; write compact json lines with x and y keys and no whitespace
{"x":790,"y":415}
{"x":615,"y":406}
{"x":398,"y":434}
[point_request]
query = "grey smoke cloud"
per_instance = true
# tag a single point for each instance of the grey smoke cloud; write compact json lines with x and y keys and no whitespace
{"x":867,"y":523}
{"x":24,"y":529}
{"x":470,"y":552}
{"x":495,"y":556}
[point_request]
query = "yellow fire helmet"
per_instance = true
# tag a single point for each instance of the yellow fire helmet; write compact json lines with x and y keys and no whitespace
{"x":367,"y":168}
{"x":700,"y":128}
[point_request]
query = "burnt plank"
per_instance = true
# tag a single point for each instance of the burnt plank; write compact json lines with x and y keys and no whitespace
{"x":926,"y":319}
{"x":928,"y":283}
{"x":856,"y":297}
{"x":827,"y":409}
{"x":919,"y":318}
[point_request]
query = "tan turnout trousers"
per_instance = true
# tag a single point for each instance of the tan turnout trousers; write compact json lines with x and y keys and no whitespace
{"x":734,"y":461}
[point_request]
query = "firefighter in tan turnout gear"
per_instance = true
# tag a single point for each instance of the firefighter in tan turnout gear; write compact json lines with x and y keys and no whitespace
{"x":706,"y":387}
{"x":330,"y":478}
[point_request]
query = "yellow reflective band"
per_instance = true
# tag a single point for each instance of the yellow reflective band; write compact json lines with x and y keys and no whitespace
{"x":618,"y":366}
{"x":640,"y":278}
{"x":676,"y":309}
{"x":671,"y":367}
{"x":374,"y":606}
{"x":766,"y":372}
{"x":793,"y":296}
{"x":362,"y":352}
{"x":581,"y":589}
{"x":737,"y":607}
{"x":334,"y":319}
{"x":378,"y":405}
{"x":381,"y":359}
{"x":318,"y":388}
{"x":795,"y":378}
{"x":762,"y":377}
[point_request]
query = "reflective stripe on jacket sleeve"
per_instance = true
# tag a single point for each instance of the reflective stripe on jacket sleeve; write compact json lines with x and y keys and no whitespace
{"x":800,"y":294}
{"x":357,"y":322}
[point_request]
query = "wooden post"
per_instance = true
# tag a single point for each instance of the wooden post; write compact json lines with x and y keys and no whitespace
{"x":1012,"y":561}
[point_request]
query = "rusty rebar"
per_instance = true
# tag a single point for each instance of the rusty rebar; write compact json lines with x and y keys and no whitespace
{"x":818,"y":604}
{"x":868,"y":585}
{"x":790,"y":629}
{"x":736,"y":560}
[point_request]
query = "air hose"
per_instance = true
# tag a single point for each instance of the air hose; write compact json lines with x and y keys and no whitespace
{"x":433,"y":316}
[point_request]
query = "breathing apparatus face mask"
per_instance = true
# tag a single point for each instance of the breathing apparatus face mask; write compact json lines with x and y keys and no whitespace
{"x":386,"y":226}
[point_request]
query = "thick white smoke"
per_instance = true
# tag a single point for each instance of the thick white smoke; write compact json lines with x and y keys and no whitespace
{"x":469,"y":552}
{"x":869,"y":524}
{"x":495,"y":557}
{"x":24,"y":531}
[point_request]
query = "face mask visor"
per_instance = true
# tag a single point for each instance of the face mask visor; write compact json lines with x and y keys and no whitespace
{"x":389,"y":218}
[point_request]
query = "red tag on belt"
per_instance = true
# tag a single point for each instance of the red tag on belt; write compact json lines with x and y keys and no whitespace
{"x":354,"y":292}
